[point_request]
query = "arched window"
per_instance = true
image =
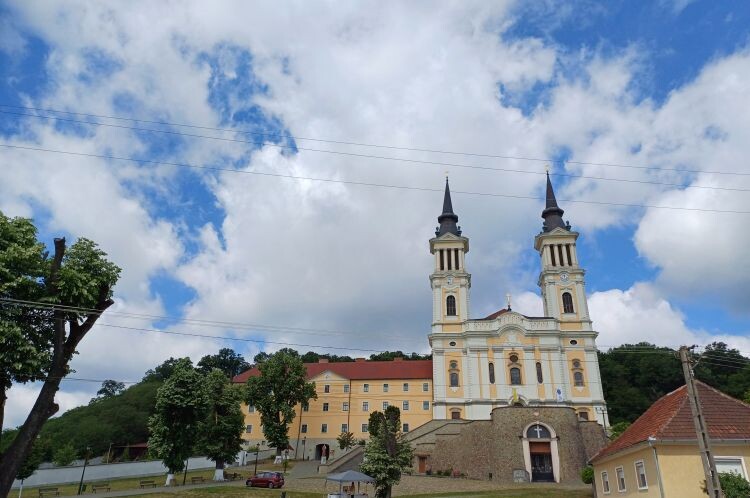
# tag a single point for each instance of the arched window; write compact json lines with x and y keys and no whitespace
{"x":578,"y":379}
{"x":567,"y":303}
{"x":492,"y":373}
{"x":539,"y":376}
{"x":454,"y":379}
{"x":538,"y":431}
{"x":450,"y":306}
{"x":515,"y":376}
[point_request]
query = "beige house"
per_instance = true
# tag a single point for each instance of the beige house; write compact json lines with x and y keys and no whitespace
{"x":658,"y":455}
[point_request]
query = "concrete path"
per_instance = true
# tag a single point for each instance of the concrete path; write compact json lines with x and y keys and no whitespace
{"x":164,"y":489}
{"x":303,"y":469}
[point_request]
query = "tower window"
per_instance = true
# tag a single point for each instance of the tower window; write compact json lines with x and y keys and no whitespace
{"x":539,"y":376}
{"x":578,"y":379}
{"x":455,"y":254}
{"x":567,"y":250}
{"x":515,"y":376}
{"x":492,"y":373}
{"x":560,"y":253}
{"x":567,"y":302}
{"x":442,"y":260}
{"x":552,"y":254}
{"x":450,"y":306}
{"x":449,"y":258}
{"x":454,"y":379}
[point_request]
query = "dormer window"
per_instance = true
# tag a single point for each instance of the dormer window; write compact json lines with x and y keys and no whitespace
{"x":450,"y":306}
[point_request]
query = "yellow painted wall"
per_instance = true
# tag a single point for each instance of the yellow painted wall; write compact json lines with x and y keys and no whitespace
{"x":682,"y":469}
{"x":583,"y":392}
{"x":627,"y":462}
{"x":415,"y":416}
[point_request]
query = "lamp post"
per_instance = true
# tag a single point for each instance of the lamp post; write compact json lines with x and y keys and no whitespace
{"x":257,"y":450}
{"x":85,"y":462}
{"x":304,"y":441}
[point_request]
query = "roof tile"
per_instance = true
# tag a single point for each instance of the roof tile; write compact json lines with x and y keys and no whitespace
{"x":362,"y":370}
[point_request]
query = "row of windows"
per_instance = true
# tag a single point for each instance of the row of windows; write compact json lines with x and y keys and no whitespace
{"x":556,"y":254}
{"x":386,"y":387}
{"x":515,"y":373}
{"x":344,"y":428}
{"x":640,"y":474}
{"x":405,"y":405}
{"x":449,"y":259}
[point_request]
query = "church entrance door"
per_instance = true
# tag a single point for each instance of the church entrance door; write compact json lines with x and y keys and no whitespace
{"x":541,"y":462}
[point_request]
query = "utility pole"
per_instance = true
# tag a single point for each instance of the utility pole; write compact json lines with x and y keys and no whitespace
{"x":713,"y":486}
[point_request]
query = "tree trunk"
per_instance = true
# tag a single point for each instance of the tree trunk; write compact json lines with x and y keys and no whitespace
{"x":3,"y":399}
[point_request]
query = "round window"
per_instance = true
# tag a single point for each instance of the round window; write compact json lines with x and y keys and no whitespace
{"x":576,"y":363}
{"x":573,"y":342}
{"x":514,"y":358}
{"x":454,"y":364}
{"x":452,"y":343}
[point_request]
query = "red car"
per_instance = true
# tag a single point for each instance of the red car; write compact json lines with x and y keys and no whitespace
{"x":266,"y":480}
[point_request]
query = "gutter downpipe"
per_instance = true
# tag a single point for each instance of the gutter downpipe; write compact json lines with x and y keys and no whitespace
{"x":656,"y":461}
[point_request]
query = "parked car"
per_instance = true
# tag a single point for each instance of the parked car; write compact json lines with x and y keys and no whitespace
{"x":266,"y":480}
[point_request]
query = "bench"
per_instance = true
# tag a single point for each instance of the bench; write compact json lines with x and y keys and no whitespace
{"x":234,"y":476}
{"x":48,"y":492}
{"x":148,"y":484}
{"x":197,"y":480}
{"x":102,"y":486}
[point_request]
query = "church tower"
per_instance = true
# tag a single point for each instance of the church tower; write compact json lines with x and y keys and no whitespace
{"x":561,"y":278}
{"x":449,"y":280}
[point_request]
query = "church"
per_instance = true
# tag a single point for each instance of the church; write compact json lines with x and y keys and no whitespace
{"x":507,"y":397}
{"x":524,"y":392}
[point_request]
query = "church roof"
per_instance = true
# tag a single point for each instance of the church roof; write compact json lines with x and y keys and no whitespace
{"x":670,"y":418}
{"x":448,"y":219}
{"x":552,"y":213}
{"x":361,"y":370}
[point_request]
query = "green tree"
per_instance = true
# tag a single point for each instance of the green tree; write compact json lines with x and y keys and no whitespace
{"x":37,"y":341}
{"x":387,"y":454}
{"x":280,"y":386}
{"x":617,"y":429}
{"x":110,"y":388}
{"x":32,"y":462}
{"x":163,"y":371}
{"x":390,"y":355}
{"x":226,"y":360}
{"x":587,"y":474}
{"x":346,"y":440}
{"x":734,"y":485}
{"x":175,"y":424}
{"x":64,"y":455}
{"x":746,"y":397}
{"x":724,"y":368}
{"x":221,"y":429}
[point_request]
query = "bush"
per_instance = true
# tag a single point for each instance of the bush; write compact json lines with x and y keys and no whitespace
{"x":64,"y":455}
{"x":587,"y":474}
{"x":734,"y":485}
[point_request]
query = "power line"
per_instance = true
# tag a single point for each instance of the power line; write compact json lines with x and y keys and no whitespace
{"x":357,"y":144}
{"x":386,"y":158}
{"x":365,"y":184}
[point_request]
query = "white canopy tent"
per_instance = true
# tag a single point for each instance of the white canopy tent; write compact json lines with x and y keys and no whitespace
{"x":349,"y":476}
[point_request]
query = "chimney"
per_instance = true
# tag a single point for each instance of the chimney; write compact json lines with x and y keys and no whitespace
{"x":360,"y":360}
{"x":398,"y":358}
{"x":322,"y":360}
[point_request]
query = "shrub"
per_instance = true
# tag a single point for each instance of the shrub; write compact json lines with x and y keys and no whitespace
{"x":734,"y":485}
{"x":64,"y":455}
{"x":587,"y":474}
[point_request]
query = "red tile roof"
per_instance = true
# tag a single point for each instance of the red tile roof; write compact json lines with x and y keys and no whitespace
{"x":362,"y":370}
{"x":671,"y":418}
{"x":496,"y":314}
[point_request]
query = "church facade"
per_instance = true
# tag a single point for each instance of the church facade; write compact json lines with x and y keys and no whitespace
{"x":506,"y":358}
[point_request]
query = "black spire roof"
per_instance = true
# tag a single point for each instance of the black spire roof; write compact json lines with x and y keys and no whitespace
{"x":552,"y":213}
{"x":448,"y":219}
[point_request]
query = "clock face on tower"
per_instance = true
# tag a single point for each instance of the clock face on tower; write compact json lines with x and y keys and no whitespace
{"x":564,"y":276}
{"x":450,"y":280}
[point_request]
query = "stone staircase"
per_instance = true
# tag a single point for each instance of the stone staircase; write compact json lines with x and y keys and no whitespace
{"x":423,"y":438}
{"x":348,"y":461}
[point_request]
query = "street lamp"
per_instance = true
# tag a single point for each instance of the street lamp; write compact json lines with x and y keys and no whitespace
{"x":257,"y":450}
{"x":304,"y":440}
{"x":85,"y":462}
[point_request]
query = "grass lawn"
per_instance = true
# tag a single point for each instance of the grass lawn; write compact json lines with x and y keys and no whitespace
{"x":134,"y":482}
{"x":233,"y":492}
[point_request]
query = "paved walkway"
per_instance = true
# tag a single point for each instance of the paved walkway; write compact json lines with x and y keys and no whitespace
{"x":302,"y":470}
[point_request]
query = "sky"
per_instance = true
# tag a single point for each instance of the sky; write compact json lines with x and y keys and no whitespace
{"x":270,"y":173}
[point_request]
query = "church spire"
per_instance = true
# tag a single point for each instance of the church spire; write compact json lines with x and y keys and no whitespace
{"x":552,"y":213}
{"x":448,"y":219}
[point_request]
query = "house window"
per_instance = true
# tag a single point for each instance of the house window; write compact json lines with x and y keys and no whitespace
{"x":366,"y":388}
{"x":327,"y":388}
{"x":539,"y":376}
{"x":567,"y":302}
{"x":406,"y":387}
{"x":450,"y":306}
{"x":406,"y":428}
{"x":578,"y":379}
{"x":385,"y":388}
{"x":425,"y":405}
{"x":515,"y":376}
{"x":385,"y":405}
{"x":344,"y":427}
{"x":730,"y":464}
{"x":605,"y":482}
{"x":304,"y":428}
{"x":250,"y":409}
{"x":324,"y":428}
{"x":346,"y":388}
{"x":345,"y":407}
{"x":405,"y":406}
{"x":492,"y":373}
{"x":620,"y":479}
{"x":306,"y":407}
{"x":640,"y":474}
{"x":249,"y":429}
{"x":425,"y":387}
{"x":365,"y":428}
{"x":365,"y":406}
{"x":325,"y":407}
